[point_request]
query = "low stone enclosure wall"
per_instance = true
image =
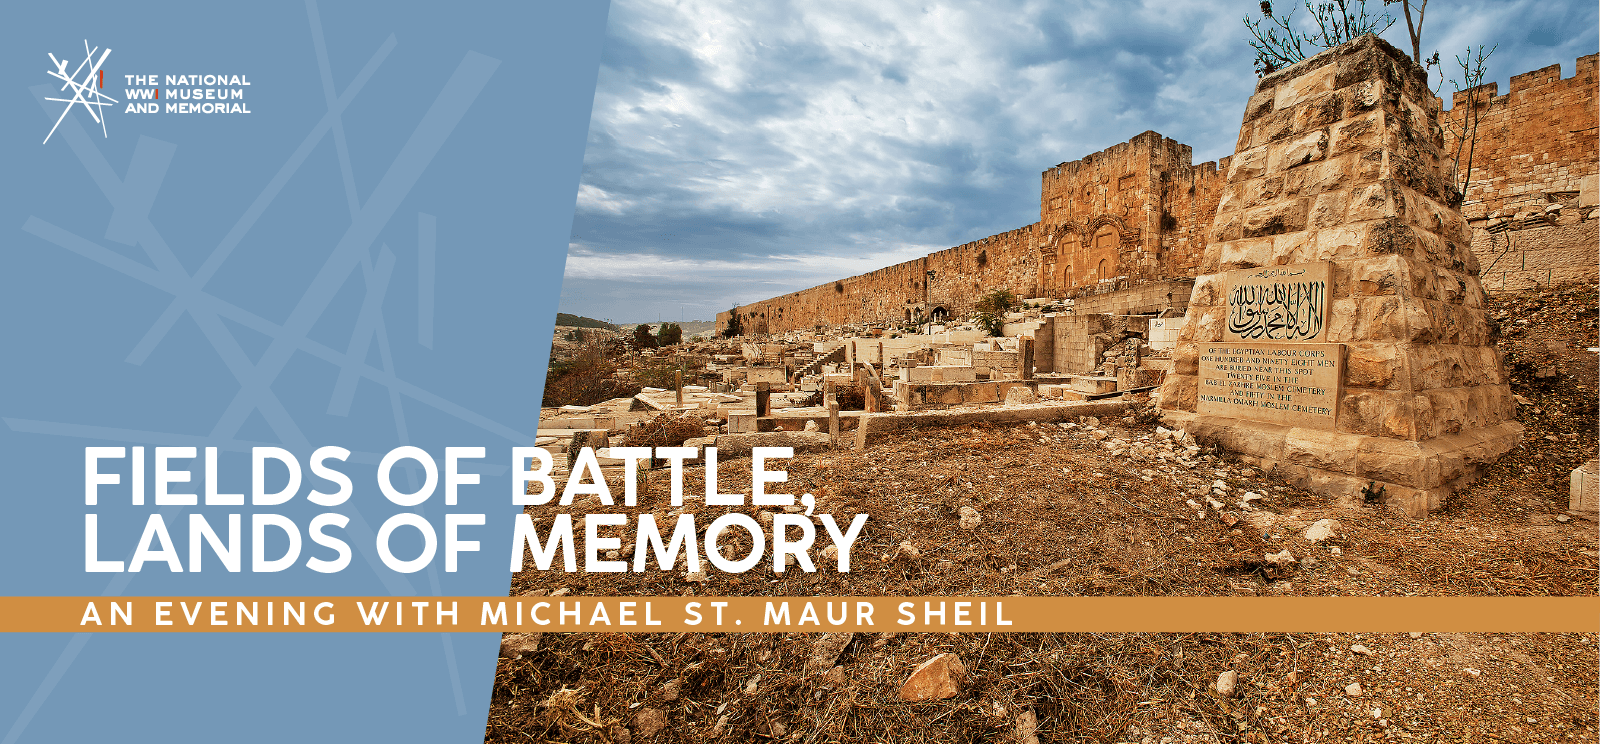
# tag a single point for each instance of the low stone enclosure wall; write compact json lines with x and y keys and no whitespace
{"x":1539,"y":251}
{"x":1337,"y":331}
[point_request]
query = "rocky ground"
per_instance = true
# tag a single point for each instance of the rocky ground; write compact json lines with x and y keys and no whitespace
{"x":1116,"y":507}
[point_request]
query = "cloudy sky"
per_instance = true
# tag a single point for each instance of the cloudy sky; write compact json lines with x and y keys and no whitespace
{"x":743,"y":150}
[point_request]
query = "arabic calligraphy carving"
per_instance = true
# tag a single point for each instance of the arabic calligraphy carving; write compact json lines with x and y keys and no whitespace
{"x":1278,"y":304}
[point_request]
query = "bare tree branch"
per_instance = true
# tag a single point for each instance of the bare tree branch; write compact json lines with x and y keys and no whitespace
{"x":1278,"y":44}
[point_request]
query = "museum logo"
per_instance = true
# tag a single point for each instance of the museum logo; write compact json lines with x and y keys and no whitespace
{"x":85,"y":91}
{"x":187,"y":93}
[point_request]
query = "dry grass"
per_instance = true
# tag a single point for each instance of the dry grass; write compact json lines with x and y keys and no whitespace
{"x":1062,"y":516}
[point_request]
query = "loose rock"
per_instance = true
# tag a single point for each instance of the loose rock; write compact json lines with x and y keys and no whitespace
{"x":513,"y":645}
{"x":825,"y":651}
{"x":1019,"y":395}
{"x":935,"y":679}
{"x":1227,"y":682}
{"x":1026,"y":730}
{"x":1322,"y":529}
{"x":648,"y":721}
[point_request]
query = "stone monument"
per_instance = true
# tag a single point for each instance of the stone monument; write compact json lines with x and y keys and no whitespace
{"x":1337,"y":332}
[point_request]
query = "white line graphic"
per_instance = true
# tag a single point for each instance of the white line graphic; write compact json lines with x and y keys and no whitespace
{"x":81,"y":92}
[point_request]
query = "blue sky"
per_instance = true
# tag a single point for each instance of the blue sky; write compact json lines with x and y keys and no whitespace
{"x":740,"y":151}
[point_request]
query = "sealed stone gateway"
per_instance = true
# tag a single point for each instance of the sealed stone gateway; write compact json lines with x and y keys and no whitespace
{"x":1339,"y":229}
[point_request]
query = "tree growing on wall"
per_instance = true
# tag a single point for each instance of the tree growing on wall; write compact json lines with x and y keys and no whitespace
{"x":1464,"y":125}
{"x":992,"y":309}
{"x":735,"y":328}
{"x":1279,"y":44}
{"x":1414,"y":27}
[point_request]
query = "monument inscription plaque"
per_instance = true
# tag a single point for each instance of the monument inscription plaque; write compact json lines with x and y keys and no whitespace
{"x":1291,"y":384}
{"x":1279,"y":303}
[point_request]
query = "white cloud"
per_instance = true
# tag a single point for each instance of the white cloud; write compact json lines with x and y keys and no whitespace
{"x":786,"y":144}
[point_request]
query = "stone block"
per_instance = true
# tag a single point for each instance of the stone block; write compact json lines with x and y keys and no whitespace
{"x":1180,"y":392}
{"x":1307,"y":148}
{"x":1342,"y":242}
{"x":1273,"y":127}
{"x":1208,"y":326}
{"x":1093,"y":385}
{"x":954,"y":373}
{"x":1208,"y":291}
{"x":1369,"y":365}
{"x":1354,"y":135}
{"x":1185,"y":360}
{"x":1589,"y":191}
{"x":1392,"y":461}
{"x":1051,"y":390}
{"x":1446,"y":366}
{"x":1584,"y":491}
{"x":1264,"y":190}
{"x":754,"y":375}
{"x":1247,"y":253}
{"x":1380,"y":276}
{"x":741,"y":422}
{"x":979,"y":392}
{"x":1259,"y":105}
{"x":1224,"y":226}
{"x":1255,"y":438}
{"x":1294,"y":247}
{"x":1450,"y":410}
{"x":1375,"y":201}
{"x":1319,"y":112}
{"x":1273,"y":219}
{"x":1379,"y":413}
{"x":1304,"y":86}
{"x":1325,"y":450}
{"x":1327,"y":210}
{"x":1248,"y":164}
{"x":1328,"y":174}
{"x":1369,"y":319}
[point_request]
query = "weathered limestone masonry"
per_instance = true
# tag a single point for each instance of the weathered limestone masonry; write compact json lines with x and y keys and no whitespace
{"x":1136,"y":212}
{"x":1133,"y":213}
{"x":898,"y":293}
{"x":1337,"y":331}
{"x":1535,"y":171}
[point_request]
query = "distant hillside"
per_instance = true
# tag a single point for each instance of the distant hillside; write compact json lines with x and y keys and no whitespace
{"x":568,"y":319}
{"x":690,"y":327}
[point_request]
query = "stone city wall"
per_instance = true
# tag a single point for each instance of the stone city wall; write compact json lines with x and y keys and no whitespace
{"x":1153,"y":297}
{"x":1139,"y":212}
{"x":1134,"y":212}
{"x":1535,"y":167}
{"x":896,"y":294}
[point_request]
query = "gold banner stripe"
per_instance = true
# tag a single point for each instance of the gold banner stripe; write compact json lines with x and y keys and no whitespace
{"x":797,"y":614}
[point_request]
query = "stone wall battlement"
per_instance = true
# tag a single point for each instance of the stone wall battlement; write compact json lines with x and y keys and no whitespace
{"x":1535,"y":141}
